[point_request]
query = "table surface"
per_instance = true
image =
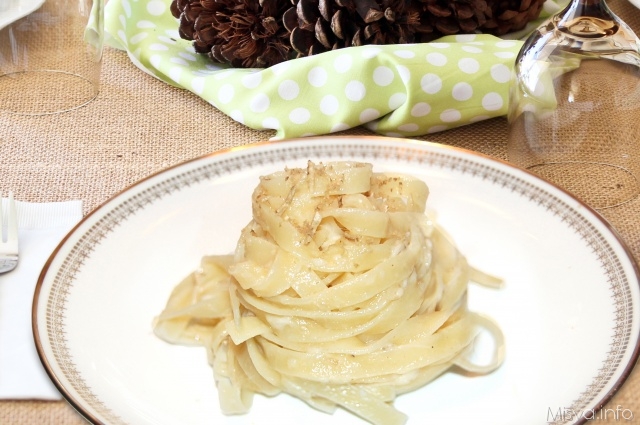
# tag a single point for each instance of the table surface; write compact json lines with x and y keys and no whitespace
{"x":139,"y":125}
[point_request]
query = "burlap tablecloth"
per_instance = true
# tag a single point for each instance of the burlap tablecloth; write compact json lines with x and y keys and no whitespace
{"x":139,"y":125}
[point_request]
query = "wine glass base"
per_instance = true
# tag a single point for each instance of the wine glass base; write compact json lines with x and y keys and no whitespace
{"x":599,"y":185}
{"x":45,"y":92}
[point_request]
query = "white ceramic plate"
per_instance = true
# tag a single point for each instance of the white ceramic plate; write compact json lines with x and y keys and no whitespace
{"x":12,"y":10}
{"x":569,"y":310}
{"x":636,"y":3}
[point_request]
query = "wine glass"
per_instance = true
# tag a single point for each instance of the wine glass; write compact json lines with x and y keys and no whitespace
{"x":50,"y":55}
{"x":574,"y":112}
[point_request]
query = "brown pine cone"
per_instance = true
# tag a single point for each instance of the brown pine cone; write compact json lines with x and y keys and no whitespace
{"x":243,"y":33}
{"x":511,"y":15}
{"x":320,"y":25}
{"x":497,"y":17}
{"x":261,"y":33}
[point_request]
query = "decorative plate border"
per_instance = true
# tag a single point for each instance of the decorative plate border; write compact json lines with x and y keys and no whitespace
{"x":369,"y":149}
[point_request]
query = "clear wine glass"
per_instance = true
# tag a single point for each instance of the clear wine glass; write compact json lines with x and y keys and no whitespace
{"x":50,"y":55}
{"x":574,"y":112}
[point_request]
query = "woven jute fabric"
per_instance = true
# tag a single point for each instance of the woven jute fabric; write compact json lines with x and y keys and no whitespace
{"x":138,"y":126}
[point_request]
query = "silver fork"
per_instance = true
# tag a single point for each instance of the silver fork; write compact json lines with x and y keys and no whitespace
{"x":9,"y":242}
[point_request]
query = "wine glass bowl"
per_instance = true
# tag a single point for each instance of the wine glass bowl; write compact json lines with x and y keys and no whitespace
{"x":574,"y":114}
{"x":50,"y":55}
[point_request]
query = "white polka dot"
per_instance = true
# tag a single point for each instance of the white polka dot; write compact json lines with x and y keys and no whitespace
{"x":143,"y":24}
{"x":203,"y":72}
{"x":127,"y":7}
{"x":500,"y":73}
{"x":251,"y":81}
{"x":437,"y":128}
{"x":226,"y":93}
{"x":404,"y":54}
{"x":450,"y":115}
{"x":271,"y":122}
{"x":237,"y":115}
{"x":210,"y":66}
{"x":188,"y":56}
{"x":420,"y":109}
{"x":492,"y":101}
{"x":260,"y":103}
{"x":472,"y":49}
{"x":371,"y":52}
{"x":138,"y":37}
{"x":383,"y":76}
{"x":505,"y":44}
{"x":342,"y":63}
{"x":408,"y":127}
{"x":179,"y":61}
{"x":155,"y":61}
{"x":505,"y":55}
{"x":197,"y":84}
{"x":158,"y":47}
{"x":156,"y":7}
{"x":340,"y":127}
{"x":223,"y":74}
{"x":468,"y":65}
{"x":280,"y":68}
{"x":122,"y":36}
{"x":440,"y":45}
{"x":174,"y":73}
{"x":436,"y":59}
{"x":174,"y":34}
{"x":167,"y":40}
{"x":317,"y":76}
{"x":462,"y":91}
{"x":404,"y":73}
{"x":355,"y":90}
{"x":369,"y":114}
{"x":288,"y":90}
{"x":463,"y":38}
{"x":431,"y":83}
{"x":300,"y":115}
{"x":329,"y":104}
{"x":396,"y":100}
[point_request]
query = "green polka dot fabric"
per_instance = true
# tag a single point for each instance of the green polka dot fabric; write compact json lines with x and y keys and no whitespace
{"x":394,"y":90}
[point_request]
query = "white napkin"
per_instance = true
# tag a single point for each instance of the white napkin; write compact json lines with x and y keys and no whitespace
{"x":41,"y":228}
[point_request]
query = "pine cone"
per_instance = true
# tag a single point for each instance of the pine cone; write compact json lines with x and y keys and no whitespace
{"x":320,"y":25}
{"x":261,"y":33}
{"x":242,"y":33}
{"x":512,"y":15}
{"x":497,"y":17}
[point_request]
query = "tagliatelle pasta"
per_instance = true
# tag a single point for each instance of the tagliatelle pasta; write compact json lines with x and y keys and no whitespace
{"x":341,"y":292}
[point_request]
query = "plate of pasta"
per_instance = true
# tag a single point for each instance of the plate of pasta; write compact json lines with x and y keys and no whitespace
{"x":354,"y":279}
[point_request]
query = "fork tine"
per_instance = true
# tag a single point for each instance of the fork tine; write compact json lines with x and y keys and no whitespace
{"x":12,"y":225}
